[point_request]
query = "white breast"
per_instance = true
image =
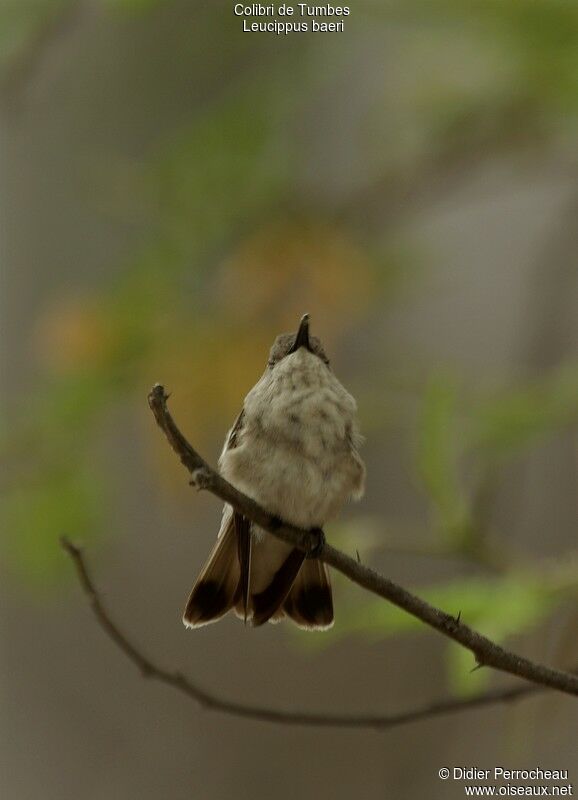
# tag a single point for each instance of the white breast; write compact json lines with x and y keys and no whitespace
{"x":296,"y":452}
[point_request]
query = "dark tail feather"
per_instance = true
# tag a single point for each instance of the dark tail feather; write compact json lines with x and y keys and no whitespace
{"x":243,"y":532}
{"x":270,"y":601}
{"x":214,"y":591}
{"x":310,"y":602}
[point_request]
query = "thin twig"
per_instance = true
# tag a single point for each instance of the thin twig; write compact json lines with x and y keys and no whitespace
{"x":486,"y":652}
{"x":209,"y":701}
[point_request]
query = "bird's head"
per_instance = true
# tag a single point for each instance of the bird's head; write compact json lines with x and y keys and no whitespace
{"x":288,"y":343}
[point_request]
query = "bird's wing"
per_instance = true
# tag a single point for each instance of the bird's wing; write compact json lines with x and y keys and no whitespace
{"x":354,"y":439}
{"x":234,"y":434}
{"x":242,"y":525}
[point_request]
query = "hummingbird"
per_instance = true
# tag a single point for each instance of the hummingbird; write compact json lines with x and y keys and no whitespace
{"x":294,"y":450}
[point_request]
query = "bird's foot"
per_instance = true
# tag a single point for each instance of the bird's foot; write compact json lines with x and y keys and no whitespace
{"x":315,"y":543}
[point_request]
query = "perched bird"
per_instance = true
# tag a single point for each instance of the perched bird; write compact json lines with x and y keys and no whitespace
{"x":293,"y":449}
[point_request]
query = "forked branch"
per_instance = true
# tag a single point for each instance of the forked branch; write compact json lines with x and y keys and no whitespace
{"x":486,"y":652}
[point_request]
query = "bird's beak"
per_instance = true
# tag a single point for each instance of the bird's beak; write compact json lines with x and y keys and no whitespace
{"x":302,"y":336}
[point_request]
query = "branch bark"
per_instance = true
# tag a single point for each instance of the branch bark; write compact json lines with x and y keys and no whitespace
{"x":258,"y":713}
{"x":486,"y":652}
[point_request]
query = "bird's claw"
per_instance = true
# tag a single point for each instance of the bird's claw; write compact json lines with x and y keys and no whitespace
{"x":316,"y":543}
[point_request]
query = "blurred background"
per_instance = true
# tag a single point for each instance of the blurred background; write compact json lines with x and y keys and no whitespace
{"x":174,"y":193}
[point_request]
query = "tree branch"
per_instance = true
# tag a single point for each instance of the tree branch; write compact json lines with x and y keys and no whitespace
{"x":209,"y":701}
{"x":486,"y":652}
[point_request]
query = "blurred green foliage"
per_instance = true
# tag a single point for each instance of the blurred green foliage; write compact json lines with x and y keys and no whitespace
{"x":517,"y":418}
{"x":437,"y":457}
{"x":487,"y":432}
{"x":238,"y":246}
{"x":496,"y":606}
{"x":135,"y":5}
{"x":23,"y":23}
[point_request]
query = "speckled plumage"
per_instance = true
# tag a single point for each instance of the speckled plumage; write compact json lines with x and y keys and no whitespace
{"x":293,"y":449}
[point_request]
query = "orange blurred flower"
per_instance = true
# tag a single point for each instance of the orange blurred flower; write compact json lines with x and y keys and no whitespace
{"x":71,"y":334}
